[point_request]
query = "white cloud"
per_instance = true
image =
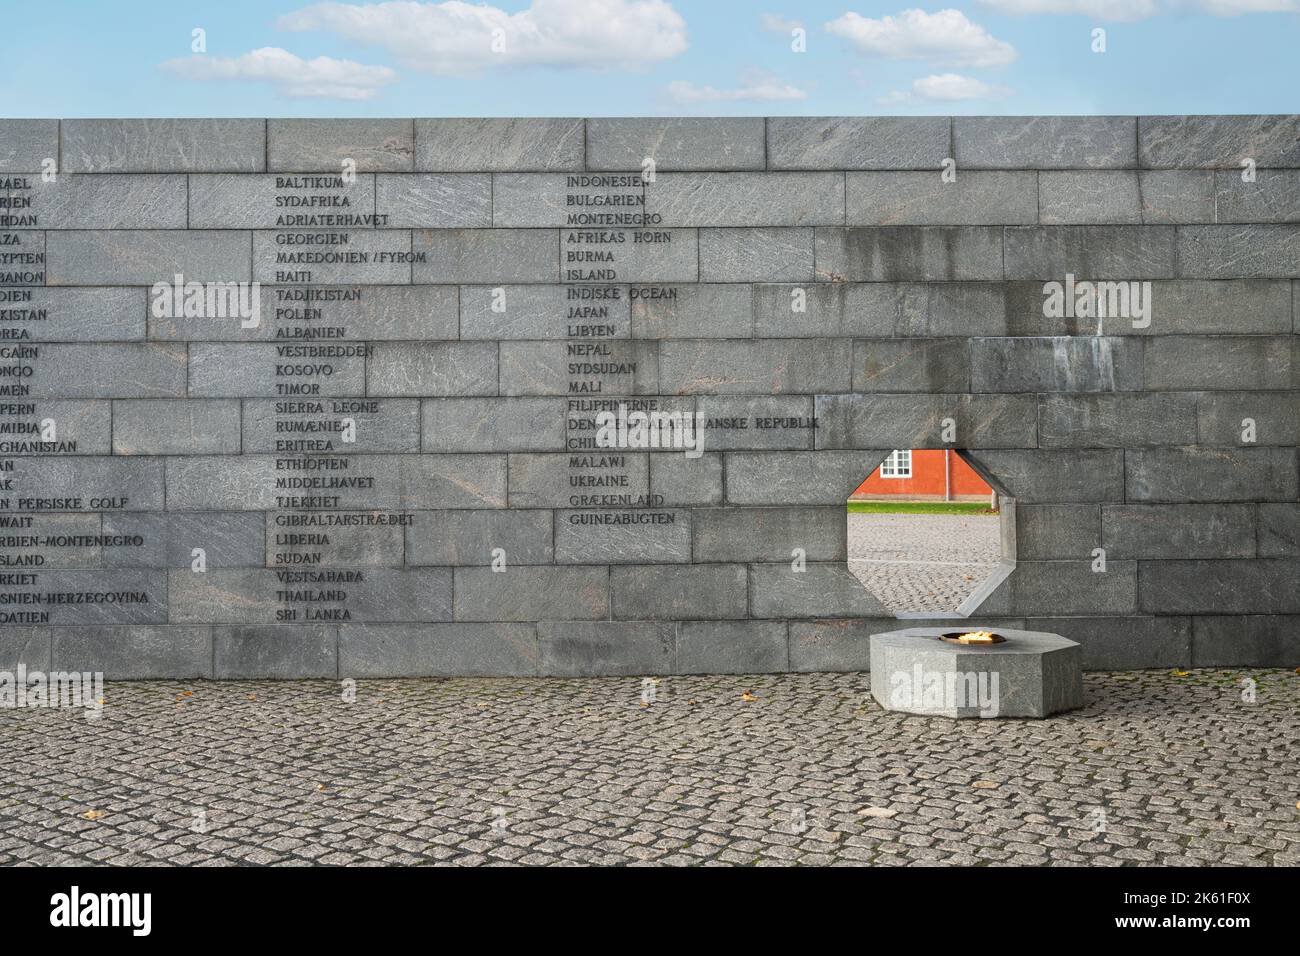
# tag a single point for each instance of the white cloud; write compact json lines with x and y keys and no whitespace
{"x":946,"y":38}
{"x":291,"y":75}
{"x":944,"y":88}
{"x":754,"y":87}
{"x":454,"y":37}
{"x":1140,"y":9}
{"x":776,"y":23}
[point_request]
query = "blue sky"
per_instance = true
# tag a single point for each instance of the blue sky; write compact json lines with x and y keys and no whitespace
{"x":647,"y":57}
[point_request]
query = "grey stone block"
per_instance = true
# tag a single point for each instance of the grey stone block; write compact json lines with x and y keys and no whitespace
{"x":163,"y":145}
{"x":434,"y":482}
{"x":1239,"y":251}
{"x":1092,"y":252}
{"x":911,"y":365}
{"x":1178,"y":531}
{"x":544,"y":312}
{"x":335,"y":539}
{"x":1221,"y":417}
{"x":623,"y":536}
{"x":168,"y":539}
{"x":434,"y":200}
{"x":494,"y":424}
{"x":1248,"y":640}
{"x":157,"y":427}
{"x":1125,"y":643}
{"x":777,"y":254}
{"x":1274,"y":196}
{"x":857,"y":142}
{"x":59,"y":315}
{"x":1175,"y":196}
{"x":26,"y":253}
{"x":141,"y":652}
{"x":321,"y":201}
{"x":906,"y":253}
{"x":51,"y":541}
{"x":424,"y":369}
{"x":1045,"y":142}
{"x":469,"y":538}
{"x":912,"y":309}
{"x":842,"y":645}
{"x":610,"y":367}
{"x":438,"y":650}
{"x":1116,"y":421}
{"x":487,"y":255}
{"x":678,"y":480}
{"x":642,"y":256}
{"x":80,"y":428}
{"x":97,"y":597}
{"x":110,"y":202}
{"x":532,"y":594}
{"x":746,"y":199}
{"x":265,"y":370}
{"x":495,"y":145}
{"x":108,"y":370}
{"x":765,"y":366}
{"x":732,"y":647}
{"x":826,"y":589}
{"x":742,"y":422}
{"x":1052,"y":532}
{"x":606,"y":479}
{"x":1210,"y":474}
{"x":604,"y":649}
{"x":746,"y":535}
{"x":1261,"y":586}
{"x":1201,"y":142}
{"x":677,"y":143}
{"x":324,"y":145}
{"x":1178,"y":307}
{"x":665,"y":592}
{"x":315,"y":313}
{"x":280,"y":653}
{"x":925,"y":199}
{"x":919,"y":421}
{"x":1054,"y":476}
{"x":593,"y":200}
{"x":309,"y":257}
{"x":1074,"y":588}
{"x":147,"y":256}
{"x":72,"y":484}
{"x":318,"y":425}
{"x":798,"y":477}
{"x":262,"y":596}
{"x":1057,"y":364}
{"x":701,"y":310}
{"x":1279,"y":530}
{"x":26,"y":143}
{"x":1223,"y":362}
{"x":25,"y":646}
{"x":1087,"y":197}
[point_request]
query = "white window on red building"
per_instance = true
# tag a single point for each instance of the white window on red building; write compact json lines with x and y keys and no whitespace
{"x":897,"y":465}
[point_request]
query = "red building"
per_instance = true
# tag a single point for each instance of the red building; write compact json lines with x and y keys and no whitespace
{"x":924,"y":475}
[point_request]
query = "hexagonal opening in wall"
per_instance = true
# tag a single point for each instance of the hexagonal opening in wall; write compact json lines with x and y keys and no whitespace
{"x":930,"y":535}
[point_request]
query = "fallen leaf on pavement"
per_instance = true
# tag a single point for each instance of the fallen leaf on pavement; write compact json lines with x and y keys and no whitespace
{"x":93,"y":814}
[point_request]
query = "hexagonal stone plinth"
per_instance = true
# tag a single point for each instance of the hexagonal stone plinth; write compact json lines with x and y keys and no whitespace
{"x":1031,"y":674}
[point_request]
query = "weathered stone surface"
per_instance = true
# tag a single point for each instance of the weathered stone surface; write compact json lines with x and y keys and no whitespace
{"x":532,"y":594}
{"x":1129,"y":420}
{"x":1048,"y":532}
{"x":530,"y":312}
{"x":493,"y":424}
{"x":742,"y":422}
{"x":617,"y":367}
{"x":109,"y":370}
{"x":703,"y":310}
{"x":338,"y":539}
{"x":146,"y":256}
{"x":879,"y":309}
{"x":87,"y":597}
{"x":798,"y":478}
{"x":26,"y":143}
{"x":1057,"y":364}
{"x":679,"y":480}
{"x":543,"y":480}
{"x":1274,"y":196}
{"x":1053,"y":476}
{"x":1074,"y":588}
{"x":746,"y":535}
{"x":763,"y":366}
{"x":176,"y":428}
{"x":1094,"y":252}
{"x":163,"y":145}
{"x":499,"y":145}
{"x":379,"y":256}
{"x":1272,"y":418}
{"x":1279,"y":530}
{"x":1200,"y":142}
{"x":535,"y":200}
{"x":1239,"y":251}
{"x":1262,"y":586}
{"x":1222,"y":362}
{"x":1250,"y":640}
{"x":111,"y":202}
{"x":471,"y":538}
{"x":907,"y":253}
{"x":1210,"y":474}
{"x":732,"y":647}
{"x":79,"y":428}
{"x":320,"y":425}
{"x":168,"y":540}
{"x":226,"y":201}
{"x":678,"y":143}
{"x":434,"y":200}
{"x":911,"y":365}
{"x":914,"y":421}
{"x":325,"y":145}
{"x":262,"y":370}
{"x":275,"y":652}
{"x":924,"y":199}
{"x":857,"y":142}
{"x":86,"y":484}
{"x":1045,"y":142}
{"x":1178,"y":531}
{"x":1172,"y":196}
{"x":139,"y":652}
{"x":664,"y":592}
{"x":746,"y":199}
{"x":586,"y":649}
{"x":1125,"y":643}
{"x":821,"y":590}
{"x":423,"y":369}
{"x":622,"y":536}
{"x":666,"y":255}
{"x":76,"y":315}
{"x":756,"y":255}
{"x":1078,"y":197}
{"x":437,"y":650}
{"x":50,"y":541}
{"x":487,"y":255}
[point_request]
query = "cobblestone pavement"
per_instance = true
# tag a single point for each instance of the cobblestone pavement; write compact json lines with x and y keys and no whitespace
{"x":922,"y":562}
{"x":1158,"y":768}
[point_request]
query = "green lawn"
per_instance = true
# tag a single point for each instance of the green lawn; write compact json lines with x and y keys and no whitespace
{"x":920,"y":507}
